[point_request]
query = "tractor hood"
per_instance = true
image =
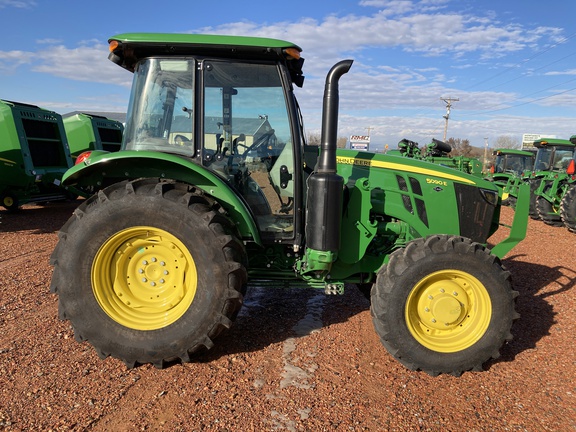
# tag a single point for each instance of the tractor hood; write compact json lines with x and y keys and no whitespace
{"x":358,"y":160}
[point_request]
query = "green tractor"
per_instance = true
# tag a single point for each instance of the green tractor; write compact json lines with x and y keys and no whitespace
{"x":437,"y":152}
{"x":34,"y":155}
{"x":511,"y":168}
{"x":215,"y":188}
{"x":88,"y":132}
{"x":550,"y":180}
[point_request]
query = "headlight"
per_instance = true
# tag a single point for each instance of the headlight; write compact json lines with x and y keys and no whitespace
{"x":490,"y":196}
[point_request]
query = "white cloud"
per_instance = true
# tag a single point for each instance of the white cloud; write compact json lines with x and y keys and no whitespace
{"x":428,"y":34}
{"x":11,"y":60}
{"x":85,"y":63}
{"x":48,"y":41}
{"x":566,"y":72}
{"x":22,"y":4}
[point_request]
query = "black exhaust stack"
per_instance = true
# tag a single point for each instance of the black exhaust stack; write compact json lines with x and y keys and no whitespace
{"x":325,"y":186}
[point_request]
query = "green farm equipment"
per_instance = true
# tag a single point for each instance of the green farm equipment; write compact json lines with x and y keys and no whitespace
{"x":215,"y":188}
{"x":88,"y":132}
{"x":34,"y":155}
{"x":550,"y":179}
{"x":437,"y":152}
{"x":510,"y":170}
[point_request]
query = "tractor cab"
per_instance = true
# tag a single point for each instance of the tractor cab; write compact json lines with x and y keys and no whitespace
{"x":553,"y":154}
{"x":515,"y":162}
{"x":210,"y":111}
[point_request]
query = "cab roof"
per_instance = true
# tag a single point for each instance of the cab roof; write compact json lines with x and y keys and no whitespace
{"x":553,"y":142}
{"x":127,"y":48}
{"x":514,"y":152}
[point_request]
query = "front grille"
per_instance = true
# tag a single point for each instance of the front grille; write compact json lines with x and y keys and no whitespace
{"x":475,"y":213}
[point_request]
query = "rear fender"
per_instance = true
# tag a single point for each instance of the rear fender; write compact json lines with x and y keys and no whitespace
{"x":102,"y":169}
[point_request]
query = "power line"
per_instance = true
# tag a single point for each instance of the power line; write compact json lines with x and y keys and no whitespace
{"x":567,"y":38}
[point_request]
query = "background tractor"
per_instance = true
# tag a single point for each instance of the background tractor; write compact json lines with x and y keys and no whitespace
{"x":511,"y":168}
{"x":552,"y":177}
{"x":215,"y":188}
{"x":34,"y":155}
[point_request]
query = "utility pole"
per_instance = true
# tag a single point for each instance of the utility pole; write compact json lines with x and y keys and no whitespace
{"x":448,"y":102}
{"x":485,"y":154}
{"x":369,"y":129}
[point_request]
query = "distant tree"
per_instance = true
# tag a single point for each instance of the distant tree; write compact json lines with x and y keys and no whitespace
{"x":316,"y":139}
{"x":507,"y":142}
{"x":460,"y":147}
{"x":313,"y":139}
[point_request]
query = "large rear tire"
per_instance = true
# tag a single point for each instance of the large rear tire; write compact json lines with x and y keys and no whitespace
{"x":443,"y":305}
{"x":549,"y":213}
{"x":568,"y":208}
{"x":149,"y":272}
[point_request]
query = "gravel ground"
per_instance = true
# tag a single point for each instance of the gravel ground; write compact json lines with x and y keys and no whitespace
{"x":295,"y":360}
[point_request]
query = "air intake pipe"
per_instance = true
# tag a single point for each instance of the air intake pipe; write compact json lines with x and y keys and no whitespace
{"x":325,"y":186}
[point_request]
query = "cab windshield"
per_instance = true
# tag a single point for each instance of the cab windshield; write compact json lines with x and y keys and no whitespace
{"x":553,"y":158}
{"x":160,"y":109}
{"x":514,"y":164}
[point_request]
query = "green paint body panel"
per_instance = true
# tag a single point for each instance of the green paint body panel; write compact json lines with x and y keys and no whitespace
{"x":86,"y":132}
{"x":212,"y":42}
{"x":164,"y":44}
{"x":102,"y":169}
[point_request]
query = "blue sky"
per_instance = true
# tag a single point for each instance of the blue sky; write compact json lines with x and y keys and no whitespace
{"x":511,"y":64}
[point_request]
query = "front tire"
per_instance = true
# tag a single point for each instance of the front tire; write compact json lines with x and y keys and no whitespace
{"x":532,"y":210}
{"x":568,"y":208}
{"x":10,"y":202}
{"x":443,"y":305}
{"x":149,"y":272}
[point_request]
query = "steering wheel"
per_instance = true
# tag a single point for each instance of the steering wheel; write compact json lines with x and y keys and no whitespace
{"x":260,"y":142}
{"x":180,"y":140}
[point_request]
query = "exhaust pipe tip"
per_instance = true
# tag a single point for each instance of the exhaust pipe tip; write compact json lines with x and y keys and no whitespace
{"x":329,"y":137}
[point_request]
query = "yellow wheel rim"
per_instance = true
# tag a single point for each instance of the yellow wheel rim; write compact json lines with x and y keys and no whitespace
{"x":448,"y":311}
{"x":505,"y":195}
{"x":8,"y":201}
{"x":144,"y":278}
